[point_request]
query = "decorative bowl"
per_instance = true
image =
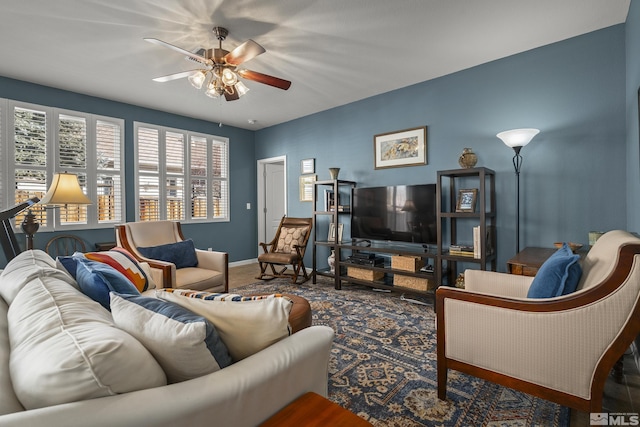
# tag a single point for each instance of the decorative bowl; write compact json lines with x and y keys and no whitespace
{"x":575,"y":247}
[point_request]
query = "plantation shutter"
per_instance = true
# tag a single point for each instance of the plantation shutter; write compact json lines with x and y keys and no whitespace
{"x":175,"y":175}
{"x":198,"y":172}
{"x":219,"y":184}
{"x":3,"y":106}
{"x":30,"y":158}
{"x":148,"y":178}
{"x":109,"y":183}
{"x":72,"y":157}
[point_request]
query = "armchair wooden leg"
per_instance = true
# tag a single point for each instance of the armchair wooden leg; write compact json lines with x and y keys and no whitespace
{"x":442,"y":382}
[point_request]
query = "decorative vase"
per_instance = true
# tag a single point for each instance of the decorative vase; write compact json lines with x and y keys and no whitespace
{"x":332,"y":261}
{"x":333,"y":172}
{"x":468,"y":158}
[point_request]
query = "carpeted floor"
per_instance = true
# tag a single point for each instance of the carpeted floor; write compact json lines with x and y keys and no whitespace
{"x":383,"y":364}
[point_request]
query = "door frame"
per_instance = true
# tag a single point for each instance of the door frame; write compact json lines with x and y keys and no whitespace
{"x":261,"y":217}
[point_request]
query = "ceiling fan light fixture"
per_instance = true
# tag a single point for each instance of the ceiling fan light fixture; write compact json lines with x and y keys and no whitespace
{"x":241,"y":89}
{"x":197,"y":79}
{"x":229,"y":78}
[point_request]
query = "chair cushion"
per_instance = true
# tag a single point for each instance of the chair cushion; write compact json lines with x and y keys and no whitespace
{"x":558,"y":275}
{"x":96,"y":280}
{"x":198,"y":278}
{"x":65,"y":348}
{"x":246,"y":324}
{"x":182,"y":254}
{"x":186,"y":345}
{"x":278,"y":258}
{"x":289,"y":237}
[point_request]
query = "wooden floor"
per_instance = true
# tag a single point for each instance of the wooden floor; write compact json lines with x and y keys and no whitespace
{"x":619,"y":397}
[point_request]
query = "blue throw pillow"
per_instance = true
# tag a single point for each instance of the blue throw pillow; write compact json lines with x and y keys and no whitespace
{"x":97,"y":279}
{"x":182,"y":254}
{"x":69,"y":263}
{"x":185,"y":344}
{"x":558,"y":275}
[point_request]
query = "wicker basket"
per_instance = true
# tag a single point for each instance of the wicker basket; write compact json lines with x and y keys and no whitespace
{"x":417,"y":283}
{"x":407,"y":263}
{"x":364,"y":274}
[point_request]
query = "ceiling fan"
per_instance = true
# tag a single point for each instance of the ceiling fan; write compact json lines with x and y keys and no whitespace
{"x":221,"y":75}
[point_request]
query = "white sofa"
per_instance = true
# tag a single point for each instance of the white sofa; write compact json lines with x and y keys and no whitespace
{"x":242,"y":394}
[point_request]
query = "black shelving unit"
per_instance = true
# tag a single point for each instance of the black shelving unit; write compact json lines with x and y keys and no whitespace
{"x":451,"y":223}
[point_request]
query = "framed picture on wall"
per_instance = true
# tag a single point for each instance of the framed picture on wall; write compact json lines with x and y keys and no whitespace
{"x":306,"y":187}
{"x":307,"y":166}
{"x":467,"y":200}
{"x":400,"y":148}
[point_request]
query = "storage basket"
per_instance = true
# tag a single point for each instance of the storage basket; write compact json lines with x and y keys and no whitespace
{"x":364,"y":274}
{"x":417,"y":283}
{"x":407,"y":263}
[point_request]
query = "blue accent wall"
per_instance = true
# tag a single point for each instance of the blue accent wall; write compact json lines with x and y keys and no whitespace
{"x":632,"y":33}
{"x":236,"y":237}
{"x":574,"y":176}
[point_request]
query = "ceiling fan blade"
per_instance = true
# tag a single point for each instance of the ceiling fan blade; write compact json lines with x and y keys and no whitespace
{"x":191,"y":55}
{"x":231,"y":96}
{"x":246,"y":51}
{"x":174,"y":76}
{"x":265,"y":79}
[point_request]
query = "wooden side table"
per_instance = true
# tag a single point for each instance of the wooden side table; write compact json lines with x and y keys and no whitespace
{"x":313,"y":410}
{"x":528,"y":261}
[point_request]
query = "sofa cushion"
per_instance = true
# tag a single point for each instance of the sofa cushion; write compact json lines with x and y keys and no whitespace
{"x":26,"y":266}
{"x":125,"y":263}
{"x":558,"y":275}
{"x":65,"y":348}
{"x":96,"y":280}
{"x":289,"y":237}
{"x":245,"y":324}
{"x":186,"y":345}
{"x":182,"y":254}
{"x":9,"y":402}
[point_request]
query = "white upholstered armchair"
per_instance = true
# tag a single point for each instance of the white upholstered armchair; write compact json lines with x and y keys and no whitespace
{"x":209,"y":269}
{"x":560,"y":349}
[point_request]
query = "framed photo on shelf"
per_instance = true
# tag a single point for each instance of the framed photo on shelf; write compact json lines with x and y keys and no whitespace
{"x":332,"y":232}
{"x":306,"y":187}
{"x":467,"y":200}
{"x":307,"y":166}
{"x":400,"y":148}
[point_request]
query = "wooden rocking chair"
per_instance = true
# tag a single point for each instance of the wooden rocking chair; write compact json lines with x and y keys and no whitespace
{"x":287,"y":248}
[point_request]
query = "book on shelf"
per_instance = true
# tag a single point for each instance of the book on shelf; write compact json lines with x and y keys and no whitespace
{"x":461,"y":253}
{"x":477,"y":243}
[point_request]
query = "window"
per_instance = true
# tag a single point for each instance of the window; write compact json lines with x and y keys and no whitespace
{"x":181,"y":175}
{"x":41,"y":141}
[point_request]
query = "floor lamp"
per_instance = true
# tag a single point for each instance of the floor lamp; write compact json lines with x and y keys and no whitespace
{"x":516,"y":139}
{"x":64,"y":190}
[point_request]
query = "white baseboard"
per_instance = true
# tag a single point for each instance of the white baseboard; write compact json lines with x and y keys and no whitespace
{"x":243,"y":262}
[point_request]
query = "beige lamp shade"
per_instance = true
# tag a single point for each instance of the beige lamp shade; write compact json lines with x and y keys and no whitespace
{"x":65,"y":190}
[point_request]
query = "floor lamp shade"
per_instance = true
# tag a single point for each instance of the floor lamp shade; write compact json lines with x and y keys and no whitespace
{"x":65,"y":190}
{"x":516,"y":139}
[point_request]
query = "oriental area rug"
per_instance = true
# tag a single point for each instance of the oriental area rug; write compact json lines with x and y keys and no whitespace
{"x":383,"y":363}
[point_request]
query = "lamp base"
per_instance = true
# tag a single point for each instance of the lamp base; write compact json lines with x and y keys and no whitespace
{"x":30,"y":226}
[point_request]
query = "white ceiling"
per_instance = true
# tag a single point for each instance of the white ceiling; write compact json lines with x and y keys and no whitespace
{"x":334,"y":51}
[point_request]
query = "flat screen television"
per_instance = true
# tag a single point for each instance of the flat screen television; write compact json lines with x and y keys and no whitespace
{"x":400,"y":213}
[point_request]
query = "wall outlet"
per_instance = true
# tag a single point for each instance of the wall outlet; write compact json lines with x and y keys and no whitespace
{"x":248,"y":205}
{"x":210,"y":249}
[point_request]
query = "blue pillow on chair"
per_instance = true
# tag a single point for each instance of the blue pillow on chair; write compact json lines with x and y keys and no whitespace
{"x":558,"y":275}
{"x":182,"y":254}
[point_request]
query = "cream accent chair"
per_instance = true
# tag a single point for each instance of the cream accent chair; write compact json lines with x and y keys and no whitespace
{"x":560,"y":349}
{"x":211,"y":273}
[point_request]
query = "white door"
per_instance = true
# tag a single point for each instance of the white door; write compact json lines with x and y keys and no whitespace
{"x":272,"y":196}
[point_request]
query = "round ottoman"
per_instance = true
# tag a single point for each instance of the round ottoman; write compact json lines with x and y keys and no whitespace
{"x":300,"y":315}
